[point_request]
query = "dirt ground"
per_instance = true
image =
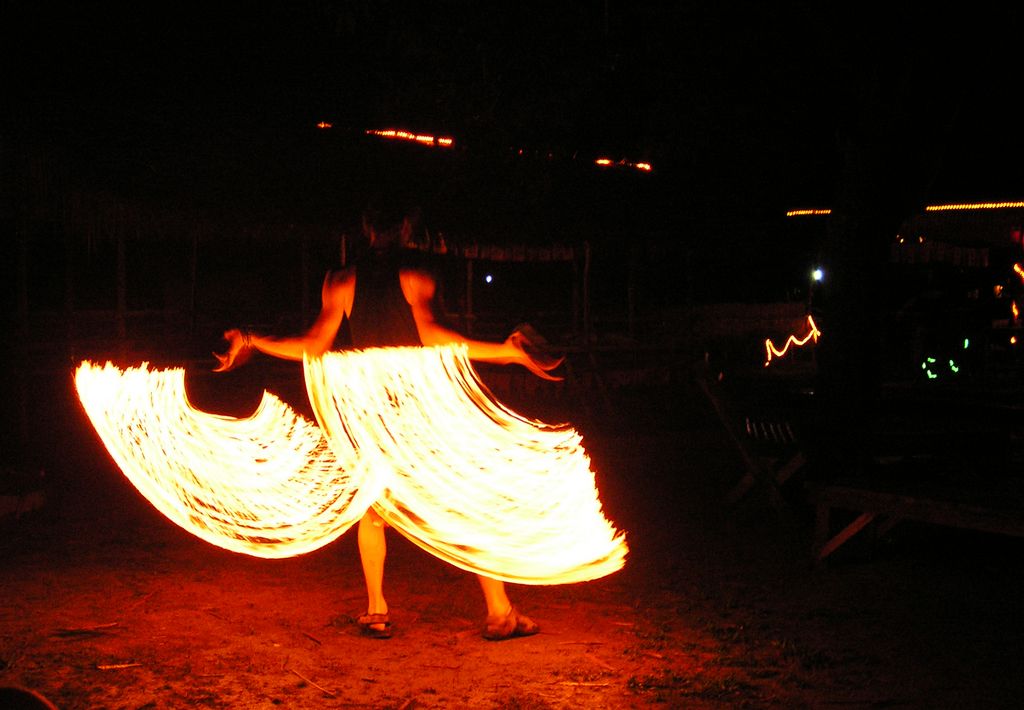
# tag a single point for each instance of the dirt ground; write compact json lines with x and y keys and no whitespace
{"x":108,"y":605}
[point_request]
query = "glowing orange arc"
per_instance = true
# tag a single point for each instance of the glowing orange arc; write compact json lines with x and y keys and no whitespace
{"x":772,"y":351}
{"x":411,"y":432}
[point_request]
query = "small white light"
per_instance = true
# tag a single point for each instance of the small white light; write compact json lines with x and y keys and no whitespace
{"x":818,"y":274}
{"x":488,"y":278}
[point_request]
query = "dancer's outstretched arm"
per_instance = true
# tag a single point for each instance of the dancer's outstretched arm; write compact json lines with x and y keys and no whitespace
{"x":336,"y":296}
{"x":419,"y":289}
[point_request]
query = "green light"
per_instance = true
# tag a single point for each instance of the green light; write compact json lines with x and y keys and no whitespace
{"x":967,"y":343}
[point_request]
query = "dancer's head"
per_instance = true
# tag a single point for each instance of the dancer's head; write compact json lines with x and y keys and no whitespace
{"x":388,"y":225}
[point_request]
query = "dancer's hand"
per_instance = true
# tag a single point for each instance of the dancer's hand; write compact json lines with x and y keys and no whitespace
{"x":238,"y":353}
{"x":531,"y":356}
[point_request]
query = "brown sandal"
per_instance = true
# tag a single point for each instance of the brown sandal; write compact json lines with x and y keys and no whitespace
{"x":376,"y":626}
{"x":499,"y":628}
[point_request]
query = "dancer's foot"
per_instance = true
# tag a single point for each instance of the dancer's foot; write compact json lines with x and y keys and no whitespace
{"x":512,"y":624}
{"x":376,"y":626}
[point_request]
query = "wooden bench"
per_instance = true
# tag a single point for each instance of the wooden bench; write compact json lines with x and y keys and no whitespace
{"x":766,"y":438}
{"x":989,"y":512}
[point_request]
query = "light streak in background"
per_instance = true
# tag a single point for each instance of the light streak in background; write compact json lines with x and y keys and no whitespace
{"x":772,"y":352}
{"x":807,"y":212}
{"x":932,"y":370}
{"x":974,"y":206}
{"x":421,"y":138}
{"x":410,"y":431}
{"x":929,"y":208}
{"x":449,"y":142}
{"x":609,"y":163}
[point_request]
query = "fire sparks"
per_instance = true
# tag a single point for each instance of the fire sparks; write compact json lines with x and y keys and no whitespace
{"x":410,"y":431}
{"x":771,"y":351}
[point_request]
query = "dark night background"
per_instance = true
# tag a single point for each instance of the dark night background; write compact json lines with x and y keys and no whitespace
{"x":744,"y":109}
{"x":206,"y":114}
{"x":163,"y":178}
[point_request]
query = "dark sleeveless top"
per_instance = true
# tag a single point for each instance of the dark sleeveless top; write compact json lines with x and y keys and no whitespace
{"x":380,"y":314}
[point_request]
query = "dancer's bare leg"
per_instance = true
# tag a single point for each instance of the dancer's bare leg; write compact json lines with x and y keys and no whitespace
{"x":372,"y":551}
{"x":495,"y":596}
{"x":503,"y":621}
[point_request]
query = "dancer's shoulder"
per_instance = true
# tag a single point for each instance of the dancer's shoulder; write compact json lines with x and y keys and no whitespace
{"x":340,"y":278}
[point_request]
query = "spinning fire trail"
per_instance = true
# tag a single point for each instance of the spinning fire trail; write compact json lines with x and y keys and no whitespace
{"x":410,"y":431}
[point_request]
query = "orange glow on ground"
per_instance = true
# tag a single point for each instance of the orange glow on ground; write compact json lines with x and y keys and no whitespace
{"x":773,"y":352}
{"x":409,"y":431}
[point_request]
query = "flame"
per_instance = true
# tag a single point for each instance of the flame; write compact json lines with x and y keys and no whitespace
{"x":771,"y":351}
{"x":409,"y":431}
{"x":325,"y":125}
{"x":266,"y":485}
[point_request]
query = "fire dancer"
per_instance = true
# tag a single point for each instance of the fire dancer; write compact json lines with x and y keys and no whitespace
{"x":390,"y":302}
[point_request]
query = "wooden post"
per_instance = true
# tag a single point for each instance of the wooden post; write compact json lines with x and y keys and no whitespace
{"x":193,"y":277}
{"x":69,"y":290}
{"x":576,"y":326}
{"x":586,"y":293}
{"x":631,"y":292}
{"x":122,"y":287}
{"x":23,"y":383}
{"x":305,"y":277}
{"x":469,"y":296}
{"x":22,"y":287}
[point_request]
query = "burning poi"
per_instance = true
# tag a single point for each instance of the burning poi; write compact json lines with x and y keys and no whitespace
{"x":408,"y":431}
{"x":406,"y":435}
